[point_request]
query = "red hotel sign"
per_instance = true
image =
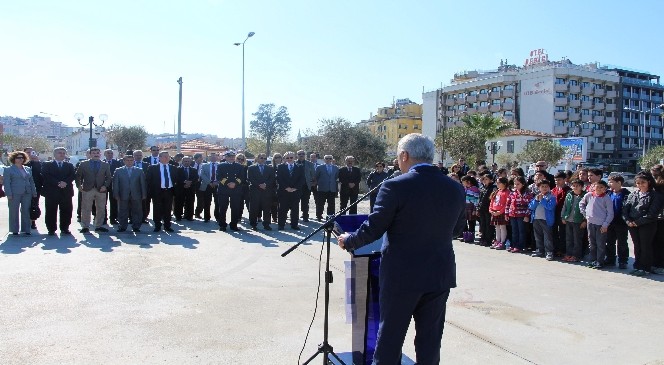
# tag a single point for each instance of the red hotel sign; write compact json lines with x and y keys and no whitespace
{"x":537,"y":56}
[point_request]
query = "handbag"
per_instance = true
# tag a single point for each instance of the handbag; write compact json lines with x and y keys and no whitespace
{"x":35,"y":212}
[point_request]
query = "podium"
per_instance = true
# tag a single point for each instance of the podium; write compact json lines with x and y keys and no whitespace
{"x":362,"y":289}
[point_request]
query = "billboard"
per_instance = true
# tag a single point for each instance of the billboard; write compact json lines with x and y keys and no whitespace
{"x":576,"y":149}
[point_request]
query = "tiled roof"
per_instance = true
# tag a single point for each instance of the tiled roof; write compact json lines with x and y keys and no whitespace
{"x":527,"y":133}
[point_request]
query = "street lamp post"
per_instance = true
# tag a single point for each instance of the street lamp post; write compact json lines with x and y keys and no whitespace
{"x":643,"y":123}
{"x":493,"y":148}
{"x":92,"y":142}
{"x":251,"y":34}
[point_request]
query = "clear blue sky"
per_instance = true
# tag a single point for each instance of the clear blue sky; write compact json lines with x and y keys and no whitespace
{"x":321,"y":59}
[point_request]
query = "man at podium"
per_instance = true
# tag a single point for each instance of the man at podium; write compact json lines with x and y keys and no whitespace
{"x":421,"y":211}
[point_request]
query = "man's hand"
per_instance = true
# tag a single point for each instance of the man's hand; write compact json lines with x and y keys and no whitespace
{"x":62,"y":184}
{"x":526,"y":219}
{"x":563,"y":221}
{"x":231,"y":185}
{"x":351,"y":185}
{"x":583,"y":225}
{"x":262,"y":186}
{"x":290,"y":190}
{"x":341,"y":240}
{"x":604,"y":229}
{"x":103,"y":189}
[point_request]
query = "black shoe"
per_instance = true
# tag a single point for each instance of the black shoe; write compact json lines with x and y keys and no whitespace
{"x":190,"y":219}
{"x":281,"y":228}
{"x":622,"y":265}
{"x":65,"y":232}
{"x":135,"y":230}
{"x":235,"y":228}
{"x":27,"y":233}
{"x":114,"y":221}
{"x":169,"y":229}
{"x":122,"y":230}
{"x":51,"y":233}
{"x":222,"y":228}
{"x":15,"y":233}
{"x":156,"y":229}
{"x":101,"y":229}
{"x":145,"y":221}
{"x":254,"y":228}
{"x":78,"y":219}
{"x":33,"y":225}
{"x":198,"y":216}
{"x":305,"y":219}
{"x":206,"y":220}
{"x":177,"y":219}
{"x":296,"y":228}
{"x":267,"y":228}
{"x":319,"y":218}
{"x":84,"y":230}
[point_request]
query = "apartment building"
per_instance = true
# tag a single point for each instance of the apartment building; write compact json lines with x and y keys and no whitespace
{"x":393,"y":122}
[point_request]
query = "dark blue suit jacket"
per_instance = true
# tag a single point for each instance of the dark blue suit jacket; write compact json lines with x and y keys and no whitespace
{"x":421,"y":212}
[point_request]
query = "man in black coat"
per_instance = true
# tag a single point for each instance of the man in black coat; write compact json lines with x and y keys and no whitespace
{"x":58,"y":191}
{"x":161,"y":180}
{"x":542,"y":166}
{"x":113,"y":203}
{"x":290,"y":178}
{"x":185,"y":190}
{"x":140,"y":164}
{"x":231,"y":175}
{"x":35,"y":165}
{"x":349,"y":179}
{"x":261,"y":190}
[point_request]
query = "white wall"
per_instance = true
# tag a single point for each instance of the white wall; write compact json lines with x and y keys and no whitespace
{"x":536,"y":101}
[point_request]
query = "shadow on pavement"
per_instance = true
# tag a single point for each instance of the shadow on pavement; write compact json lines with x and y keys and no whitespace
{"x":63,"y":244}
{"x":254,"y":237}
{"x":102,"y":243}
{"x":17,"y":244}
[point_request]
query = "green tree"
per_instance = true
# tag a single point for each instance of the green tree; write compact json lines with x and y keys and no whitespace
{"x":270,"y":125}
{"x":258,"y":145}
{"x":507,"y":160}
{"x":340,"y":138}
{"x":542,"y":150}
{"x":12,"y":142}
{"x":654,"y":156}
{"x":463,"y":142}
{"x":486,"y":125}
{"x":132,"y":137}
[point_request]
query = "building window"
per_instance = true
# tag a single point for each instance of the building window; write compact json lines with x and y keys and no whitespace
{"x":510,"y":146}
{"x":573,"y":96}
{"x":416,"y":126}
{"x":484,"y":103}
{"x":560,"y":95}
{"x":560,"y":109}
{"x":597,"y":86}
{"x":573,"y":82}
{"x":483,"y":91}
{"x":585,"y":98}
{"x":495,"y":88}
{"x":560,"y":81}
{"x":495,"y":102}
{"x":508,"y":87}
{"x":585,"y":84}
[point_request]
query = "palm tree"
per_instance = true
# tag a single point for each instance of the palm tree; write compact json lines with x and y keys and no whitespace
{"x":487,"y":125}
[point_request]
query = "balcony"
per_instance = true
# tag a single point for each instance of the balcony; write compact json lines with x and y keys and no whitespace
{"x":508,"y":93}
{"x":483,"y":109}
{"x":599,"y":106}
{"x":644,"y":96}
{"x":600,"y":92}
{"x":483,"y":97}
{"x":449,"y":113}
{"x":494,"y":95}
{"x":586,"y":118}
{"x":612,"y":94}
{"x":574,"y":117}
{"x":471,"y":110}
{"x":449,"y":101}
{"x":609,"y":147}
{"x":560,"y":130}
{"x":508,"y":105}
{"x":611,"y":107}
{"x":597,"y":146}
{"x":494,"y":108}
{"x":574,"y":89}
{"x":587,"y":104}
{"x":598,"y":133}
{"x":575,"y":103}
{"x":610,"y":120}
{"x":471,"y":98}
{"x":587,"y":90}
{"x":609,"y":134}
{"x":598,"y":119}
{"x":508,"y":118}
{"x":560,"y":87}
{"x":560,"y":115}
{"x":459,"y":101}
{"x":560,"y":101}
{"x":586,"y":132}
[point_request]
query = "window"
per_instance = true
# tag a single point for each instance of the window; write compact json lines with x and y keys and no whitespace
{"x":461,"y":95}
{"x":597,"y":86}
{"x":560,"y":109}
{"x":585,"y":98}
{"x":585,"y":84}
{"x":484,"y":103}
{"x":585,"y":111}
{"x":508,"y":87}
{"x":574,"y":82}
{"x":597,"y":100}
{"x":560,"y":95}
{"x":509,"y":100}
{"x":483,"y":91}
{"x":510,"y":146}
{"x":573,"y":96}
{"x":473,"y":93}
{"x":416,"y":126}
{"x":495,"y":88}
{"x":495,"y":102}
{"x":560,"y":81}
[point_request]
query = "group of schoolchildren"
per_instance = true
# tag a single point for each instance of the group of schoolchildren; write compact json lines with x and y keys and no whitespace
{"x":573,"y":216}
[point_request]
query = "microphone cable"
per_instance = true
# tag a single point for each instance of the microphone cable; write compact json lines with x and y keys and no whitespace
{"x":320,"y":265}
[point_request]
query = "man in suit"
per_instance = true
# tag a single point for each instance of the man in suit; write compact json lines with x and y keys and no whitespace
{"x":160,"y":182}
{"x":140,"y":164}
{"x":93,"y":177}
{"x":261,"y":190}
{"x":208,"y":186}
{"x":197,"y":164}
{"x":129,"y":190}
{"x":290,"y":178}
{"x":153,"y":159}
{"x":421,"y":211}
{"x":231,"y":175}
{"x":326,"y":179}
{"x":185,"y":190}
{"x":58,"y":191}
{"x":113,"y":203}
{"x":309,"y":175}
{"x":349,"y":179}
{"x":35,"y":165}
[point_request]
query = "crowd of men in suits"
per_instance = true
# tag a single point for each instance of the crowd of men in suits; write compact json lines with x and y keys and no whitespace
{"x":123,"y":191}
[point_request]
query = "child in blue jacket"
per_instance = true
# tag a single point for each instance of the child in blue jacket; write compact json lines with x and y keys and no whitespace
{"x":543,"y":215}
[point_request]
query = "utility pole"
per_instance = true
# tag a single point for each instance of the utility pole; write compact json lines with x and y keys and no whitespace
{"x":179,"y":142}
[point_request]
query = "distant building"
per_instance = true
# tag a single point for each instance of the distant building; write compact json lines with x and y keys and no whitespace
{"x":78,"y":142}
{"x":392,"y":123}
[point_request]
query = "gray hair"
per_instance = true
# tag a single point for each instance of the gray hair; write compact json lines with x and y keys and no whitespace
{"x":59,"y":149}
{"x":419,"y":147}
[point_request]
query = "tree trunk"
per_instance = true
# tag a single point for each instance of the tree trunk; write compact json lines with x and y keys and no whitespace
{"x":268,"y":147}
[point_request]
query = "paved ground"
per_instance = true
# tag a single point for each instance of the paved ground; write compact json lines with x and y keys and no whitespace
{"x":200,"y":296}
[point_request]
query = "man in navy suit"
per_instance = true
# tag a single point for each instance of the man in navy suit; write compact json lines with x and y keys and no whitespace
{"x":349,"y":181}
{"x":290,"y":178}
{"x":58,"y":190}
{"x":261,"y":189}
{"x":161,"y":180}
{"x":421,"y":211}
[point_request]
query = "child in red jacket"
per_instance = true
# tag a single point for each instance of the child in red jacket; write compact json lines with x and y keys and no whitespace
{"x":497,"y":210}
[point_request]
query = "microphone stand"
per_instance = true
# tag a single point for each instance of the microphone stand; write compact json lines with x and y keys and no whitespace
{"x":325,"y":348}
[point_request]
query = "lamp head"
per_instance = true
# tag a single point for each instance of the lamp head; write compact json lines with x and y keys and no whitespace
{"x":78,"y":116}
{"x":251,"y":34}
{"x":103,"y":117}
{"x":237,"y":44}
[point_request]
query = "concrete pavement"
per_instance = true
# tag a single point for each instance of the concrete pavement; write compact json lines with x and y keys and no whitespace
{"x":200,"y":296}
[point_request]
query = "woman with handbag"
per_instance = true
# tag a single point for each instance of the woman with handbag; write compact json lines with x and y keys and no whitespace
{"x":20,"y":189}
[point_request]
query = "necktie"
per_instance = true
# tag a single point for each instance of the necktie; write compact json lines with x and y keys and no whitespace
{"x":129,"y":172}
{"x":136,"y":164}
{"x":186,"y":169}
{"x":167,"y":182}
{"x":290,"y":168}
{"x":214,"y":171}
{"x":59,"y":164}
{"x":329,"y":170}
{"x":260,"y":167}
{"x":154,"y":160}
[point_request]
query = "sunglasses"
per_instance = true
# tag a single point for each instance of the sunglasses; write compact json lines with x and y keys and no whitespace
{"x":300,"y":154}
{"x":327,"y":158}
{"x":289,"y":158}
{"x":19,"y":158}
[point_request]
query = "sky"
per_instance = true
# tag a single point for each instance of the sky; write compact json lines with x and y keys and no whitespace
{"x":320,"y":59}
